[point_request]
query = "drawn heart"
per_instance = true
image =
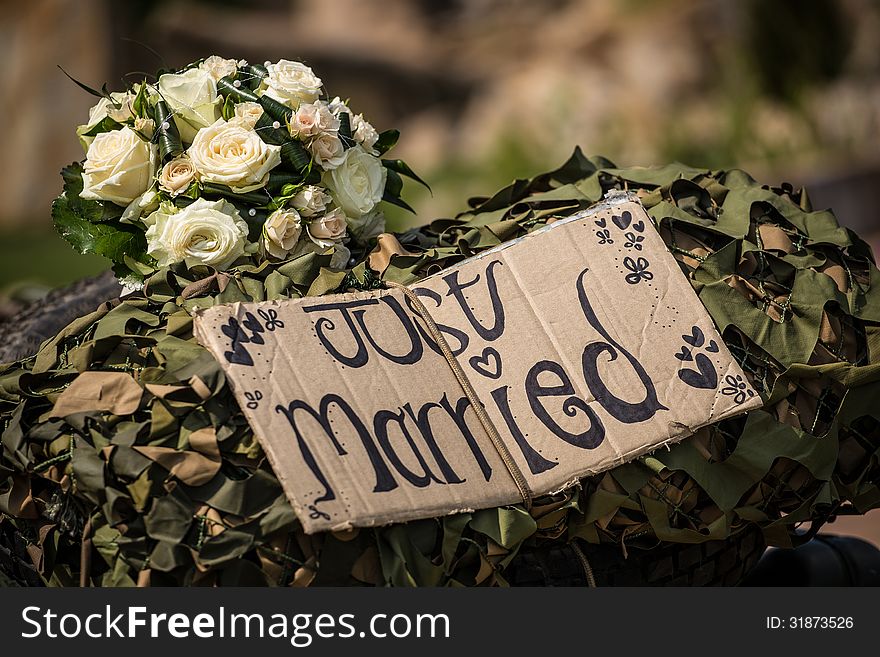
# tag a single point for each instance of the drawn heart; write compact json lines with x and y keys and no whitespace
{"x":706,"y":377}
{"x":696,"y":339}
{"x":482,"y":363}
{"x":684,"y":354}
{"x":713,"y":347}
{"x":623,"y":221}
{"x":239,"y":357}
{"x":601,"y":223}
{"x":639,"y":226}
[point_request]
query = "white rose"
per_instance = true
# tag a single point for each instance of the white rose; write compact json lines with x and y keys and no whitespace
{"x":327,"y":150}
{"x":232,"y":154}
{"x":119,"y":167}
{"x":281,"y":232}
{"x":177,"y":175}
{"x":218,"y":67}
{"x":337,"y":105}
{"x":368,"y":226}
{"x":145,"y":126}
{"x":164,"y":208}
{"x":358,"y":183}
{"x":328,"y":229}
{"x":291,"y":83}
{"x":146,"y":202}
{"x":364,"y":133}
{"x":118,"y":107}
{"x":311,"y":200}
{"x":311,"y":119}
{"x":203,"y":233}
{"x":248,"y":113}
{"x":192,"y":96}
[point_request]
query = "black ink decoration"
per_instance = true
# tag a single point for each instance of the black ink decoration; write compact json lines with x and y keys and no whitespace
{"x":685,"y":354}
{"x":488,"y":363}
{"x":737,"y":389}
{"x":270,"y":317}
{"x":623,"y":221}
{"x":315,"y":514}
{"x":253,"y":399}
{"x":456,"y":290}
{"x":619,"y":409}
{"x":639,"y":270}
{"x":705,"y":376}
{"x":253,"y":325}
{"x":633,"y":241}
{"x":696,"y":338}
{"x":238,"y":354}
{"x":594,"y":434}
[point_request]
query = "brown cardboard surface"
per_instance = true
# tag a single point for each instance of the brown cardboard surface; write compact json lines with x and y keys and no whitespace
{"x":584,"y":342}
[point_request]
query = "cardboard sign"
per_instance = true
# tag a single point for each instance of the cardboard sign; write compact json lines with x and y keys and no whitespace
{"x":584,"y":342}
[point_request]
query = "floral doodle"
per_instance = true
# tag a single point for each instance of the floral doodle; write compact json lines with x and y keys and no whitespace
{"x":604,"y":236}
{"x":633,"y":241}
{"x":639,"y":270}
{"x":736,"y":387}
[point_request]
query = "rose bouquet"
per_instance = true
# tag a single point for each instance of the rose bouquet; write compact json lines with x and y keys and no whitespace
{"x":222,"y":161}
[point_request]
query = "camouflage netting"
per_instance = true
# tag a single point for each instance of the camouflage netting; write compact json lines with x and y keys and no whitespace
{"x":179,"y":492}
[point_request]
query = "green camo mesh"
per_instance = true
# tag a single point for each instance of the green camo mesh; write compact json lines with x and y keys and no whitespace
{"x":134,"y":501}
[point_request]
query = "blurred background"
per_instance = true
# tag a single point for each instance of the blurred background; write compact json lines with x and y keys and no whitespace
{"x":483,"y":91}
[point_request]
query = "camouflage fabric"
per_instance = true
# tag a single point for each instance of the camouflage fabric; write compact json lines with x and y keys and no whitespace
{"x":147,"y":473}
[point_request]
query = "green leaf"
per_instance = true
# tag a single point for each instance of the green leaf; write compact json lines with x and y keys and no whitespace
{"x":345,"y":130}
{"x":104,"y":125}
{"x":100,"y":94}
{"x":140,"y":104}
{"x":122,"y":271}
{"x":240,"y":94}
{"x":183,"y":200}
{"x":138,"y":267}
{"x":87,"y":210}
{"x":193,"y":191}
{"x":269,"y":133}
{"x":168,"y":137}
{"x":279,"y":180}
{"x":275,"y":109}
{"x":402,"y":167}
{"x":399,"y":202}
{"x":386,"y":141}
{"x":228,"y":110}
{"x":312,"y":175}
{"x":258,"y":198}
{"x":295,"y":154}
{"x":72,"y":176}
{"x":87,"y":226}
{"x":252,"y":75}
{"x":393,"y":184}
{"x":113,"y":241}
